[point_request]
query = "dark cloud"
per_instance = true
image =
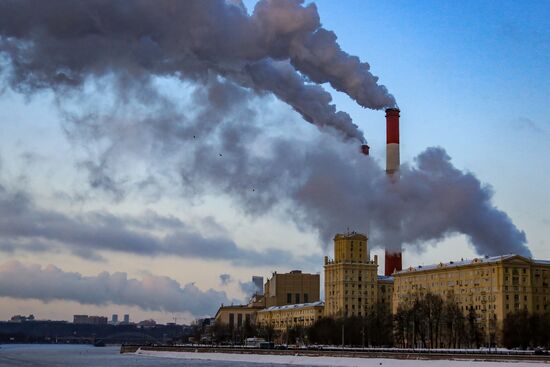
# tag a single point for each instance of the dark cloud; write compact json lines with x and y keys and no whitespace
{"x":151,"y":293}
{"x":24,"y":226}
{"x":225,"y":279}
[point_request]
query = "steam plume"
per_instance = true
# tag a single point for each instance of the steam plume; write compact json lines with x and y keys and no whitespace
{"x":225,"y":54}
{"x":60,"y":43}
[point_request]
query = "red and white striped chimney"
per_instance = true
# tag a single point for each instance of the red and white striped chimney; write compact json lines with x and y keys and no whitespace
{"x":392,"y":140}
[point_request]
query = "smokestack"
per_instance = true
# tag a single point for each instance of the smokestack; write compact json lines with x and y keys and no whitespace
{"x":393,"y":259}
{"x":393,"y":262}
{"x":365,"y":149}
{"x":392,"y":140}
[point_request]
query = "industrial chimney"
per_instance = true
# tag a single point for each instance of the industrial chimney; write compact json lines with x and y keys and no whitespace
{"x":393,"y":262}
{"x":392,"y":140}
{"x":393,"y":259}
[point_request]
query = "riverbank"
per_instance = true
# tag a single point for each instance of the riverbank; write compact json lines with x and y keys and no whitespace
{"x":313,"y":357}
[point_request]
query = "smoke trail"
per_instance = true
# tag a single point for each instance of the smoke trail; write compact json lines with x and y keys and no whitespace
{"x":319,"y":181}
{"x":63,"y":44}
{"x":60,"y":43}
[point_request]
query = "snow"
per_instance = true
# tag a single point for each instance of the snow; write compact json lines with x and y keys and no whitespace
{"x":298,"y":360}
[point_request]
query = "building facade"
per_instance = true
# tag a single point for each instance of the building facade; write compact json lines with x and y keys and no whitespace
{"x":351,"y":280}
{"x":90,"y":320}
{"x":385,"y":290}
{"x":235,"y":316}
{"x":282,"y":318}
{"x":292,"y":288}
{"x":491,"y":286}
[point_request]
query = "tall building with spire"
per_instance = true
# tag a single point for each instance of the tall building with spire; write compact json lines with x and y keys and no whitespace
{"x":351,"y":281}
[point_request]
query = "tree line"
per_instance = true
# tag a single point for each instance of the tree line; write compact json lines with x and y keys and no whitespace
{"x":428,"y":321}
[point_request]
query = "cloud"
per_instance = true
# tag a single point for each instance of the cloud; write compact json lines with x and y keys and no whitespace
{"x":225,"y":279}
{"x":218,"y":137}
{"x":526,"y":124}
{"x":151,"y":293}
{"x":24,"y":226}
{"x":248,"y":288}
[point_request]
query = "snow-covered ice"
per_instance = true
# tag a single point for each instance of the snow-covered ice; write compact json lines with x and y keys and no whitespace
{"x":299,"y":360}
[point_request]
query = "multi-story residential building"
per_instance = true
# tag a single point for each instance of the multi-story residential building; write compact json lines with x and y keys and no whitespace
{"x":291,"y":288}
{"x":490,"y":286}
{"x":385,"y":290}
{"x":351,"y":280}
{"x":285,"y":317}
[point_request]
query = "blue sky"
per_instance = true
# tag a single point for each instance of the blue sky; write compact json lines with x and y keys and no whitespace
{"x":472,"y":77}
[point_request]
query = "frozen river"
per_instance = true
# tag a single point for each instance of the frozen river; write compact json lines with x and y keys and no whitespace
{"x":53,"y":355}
{"x":89,"y":356}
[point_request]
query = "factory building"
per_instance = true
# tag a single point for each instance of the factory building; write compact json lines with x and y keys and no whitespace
{"x":491,"y":286}
{"x":282,"y":318}
{"x":292,"y":288}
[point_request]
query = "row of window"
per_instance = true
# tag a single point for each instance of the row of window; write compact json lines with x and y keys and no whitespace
{"x":296,"y":298}
{"x":239,"y":319}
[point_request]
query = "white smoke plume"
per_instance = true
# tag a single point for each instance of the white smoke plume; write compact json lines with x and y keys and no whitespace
{"x":230,"y":58}
{"x":60,"y":43}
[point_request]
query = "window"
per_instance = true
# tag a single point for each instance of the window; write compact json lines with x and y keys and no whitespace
{"x":289,"y":298}
{"x":231,"y":319}
{"x":297,"y":296}
{"x":240,"y":319}
{"x":306,"y":298}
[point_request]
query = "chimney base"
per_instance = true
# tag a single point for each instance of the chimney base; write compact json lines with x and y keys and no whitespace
{"x":393,"y":262}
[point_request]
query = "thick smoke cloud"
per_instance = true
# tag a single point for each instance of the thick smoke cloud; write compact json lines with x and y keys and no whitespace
{"x":323,"y":183}
{"x":61,"y":43}
{"x":24,"y":226}
{"x":219,"y":139}
{"x":151,"y":293}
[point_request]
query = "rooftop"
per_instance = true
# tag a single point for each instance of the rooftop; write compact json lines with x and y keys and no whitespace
{"x":464,"y":262}
{"x":352,"y":234}
{"x":385,"y":278}
{"x":294,"y":306}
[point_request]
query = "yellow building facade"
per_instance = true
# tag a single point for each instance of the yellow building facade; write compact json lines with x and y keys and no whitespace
{"x":351,"y":280}
{"x":492,"y":286}
{"x":235,"y":316}
{"x":385,"y":290}
{"x":294,"y":287}
{"x":282,"y":318}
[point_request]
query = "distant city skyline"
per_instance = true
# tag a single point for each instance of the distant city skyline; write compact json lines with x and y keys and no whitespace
{"x":162,"y":198}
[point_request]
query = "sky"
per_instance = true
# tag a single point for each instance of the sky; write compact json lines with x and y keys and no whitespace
{"x":159,"y":190}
